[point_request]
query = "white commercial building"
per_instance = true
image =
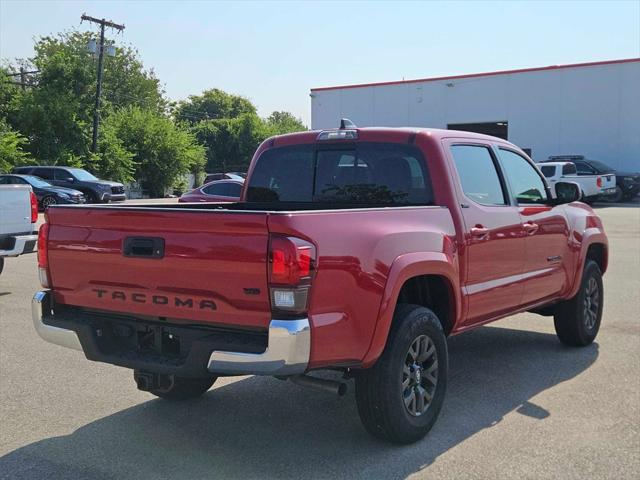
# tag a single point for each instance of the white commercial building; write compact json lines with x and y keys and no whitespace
{"x":590,"y":109}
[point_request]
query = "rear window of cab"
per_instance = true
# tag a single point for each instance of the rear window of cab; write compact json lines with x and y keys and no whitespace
{"x":362,"y":174}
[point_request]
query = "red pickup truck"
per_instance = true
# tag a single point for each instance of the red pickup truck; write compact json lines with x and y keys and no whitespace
{"x":353,"y":249}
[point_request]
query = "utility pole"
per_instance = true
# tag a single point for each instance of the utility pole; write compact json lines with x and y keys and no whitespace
{"x":96,"y":114}
{"x":24,"y":80}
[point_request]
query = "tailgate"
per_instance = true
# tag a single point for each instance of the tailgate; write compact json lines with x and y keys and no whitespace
{"x":185,"y":266}
{"x":15,"y":209}
{"x":608,"y":181}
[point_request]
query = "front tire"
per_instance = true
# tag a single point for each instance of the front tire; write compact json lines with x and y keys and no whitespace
{"x":48,"y":201}
{"x":400,"y":397}
{"x":183,"y":388}
{"x":577,"y":321}
{"x":91,"y":197}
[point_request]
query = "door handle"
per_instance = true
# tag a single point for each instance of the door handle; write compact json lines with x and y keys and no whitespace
{"x":480,"y":232}
{"x":530,"y":228}
{"x":143,"y":247}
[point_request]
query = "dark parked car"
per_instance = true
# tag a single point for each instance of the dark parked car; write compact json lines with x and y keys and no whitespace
{"x":627,"y":183}
{"x":219,"y":191}
{"x":46,"y":193}
{"x":94,"y":189}
{"x":212,"y":177}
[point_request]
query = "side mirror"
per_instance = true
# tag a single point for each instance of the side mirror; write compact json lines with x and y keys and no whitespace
{"x":70,"y":179}
{"x":567,"y":192}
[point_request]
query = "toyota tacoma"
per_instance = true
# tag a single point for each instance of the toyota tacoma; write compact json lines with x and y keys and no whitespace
{"x":352,"y":249}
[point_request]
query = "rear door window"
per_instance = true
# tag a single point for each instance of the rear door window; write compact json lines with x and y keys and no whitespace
{"x":568,"y":169}
{"x":584,"y":168}
{"x":549,"y":170}
{"x":478,"y":174}
{"x":361,"y":174}
{"x":215,"y":189}
{"x":233,"y":189}
{"x":46,"y":173}
{"x":62,"y":174}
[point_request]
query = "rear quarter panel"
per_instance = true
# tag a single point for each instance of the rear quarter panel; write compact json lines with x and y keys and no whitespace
{"x":356,"y":250}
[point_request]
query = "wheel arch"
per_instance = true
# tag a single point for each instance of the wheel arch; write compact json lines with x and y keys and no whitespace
{"x":429,"y":279}
{"x":594,"y":247}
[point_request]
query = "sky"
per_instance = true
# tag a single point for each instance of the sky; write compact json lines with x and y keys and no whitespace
{"x":274,"y":52}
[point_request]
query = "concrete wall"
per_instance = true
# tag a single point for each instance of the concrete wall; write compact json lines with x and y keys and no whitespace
{"x":589,"y":110}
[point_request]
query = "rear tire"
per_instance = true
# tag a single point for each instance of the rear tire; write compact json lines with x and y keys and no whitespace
{"x":577,"y":321}
{"x":400,"y":397}
{"x":183,"y":388}
{"x":616,"y":197}
{"x":1,"y":264}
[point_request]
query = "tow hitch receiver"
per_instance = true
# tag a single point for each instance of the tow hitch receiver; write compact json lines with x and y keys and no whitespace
{"x":148,"y":381}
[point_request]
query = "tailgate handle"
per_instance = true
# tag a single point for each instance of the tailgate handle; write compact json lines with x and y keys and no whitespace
{"x":143,"y":247}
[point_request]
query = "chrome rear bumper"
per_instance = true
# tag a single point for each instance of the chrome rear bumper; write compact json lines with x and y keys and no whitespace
{"x":60,"y":336}
{"x":287,"y":353}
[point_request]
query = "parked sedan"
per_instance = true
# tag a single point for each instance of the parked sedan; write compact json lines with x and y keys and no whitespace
{"x":218,"y":191}
{"x":46,"y":193}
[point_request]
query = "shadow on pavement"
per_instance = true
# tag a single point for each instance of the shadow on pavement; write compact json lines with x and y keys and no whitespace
{"x":265,"y":428}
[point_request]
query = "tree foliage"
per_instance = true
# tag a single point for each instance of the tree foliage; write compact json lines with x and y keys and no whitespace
{"x":57,"y":115}
{"x":159,"y":150}
{"x":284,"y":122}
{"x":212,"y":104}
{"x":11,"y":148}
{"x":51,"y":121}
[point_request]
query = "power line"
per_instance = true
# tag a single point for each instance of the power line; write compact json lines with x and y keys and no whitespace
{"x":96,"y":114}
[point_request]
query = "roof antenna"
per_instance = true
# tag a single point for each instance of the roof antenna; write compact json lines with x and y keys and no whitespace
{"x":346,"y":123}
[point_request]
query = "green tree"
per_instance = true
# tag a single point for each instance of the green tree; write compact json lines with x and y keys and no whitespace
{"x":57,"y":114}
{"x":285,"y":122}
{"x":160,"y":151}
{"x":11,"y":148}
{"x":212,"y":105}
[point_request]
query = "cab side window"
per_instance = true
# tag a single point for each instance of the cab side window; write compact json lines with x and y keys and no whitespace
{"x":478,"y":174}
{"x":526,"y":183}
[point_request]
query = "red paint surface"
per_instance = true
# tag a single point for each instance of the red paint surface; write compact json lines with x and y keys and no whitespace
{"x":363,"y":256}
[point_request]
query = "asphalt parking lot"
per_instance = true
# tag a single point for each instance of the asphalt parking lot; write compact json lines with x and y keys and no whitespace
{"x":519,"y":405}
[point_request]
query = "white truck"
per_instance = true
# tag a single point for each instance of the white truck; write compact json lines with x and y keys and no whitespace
{"x":18,"y":217}
{"x":592,"y":186}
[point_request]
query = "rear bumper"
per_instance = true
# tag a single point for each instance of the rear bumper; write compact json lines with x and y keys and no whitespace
{"x":288,"y":344}
{"x":41,"y":305}
{"x":19,"y":244}
{"x":287,"y":352}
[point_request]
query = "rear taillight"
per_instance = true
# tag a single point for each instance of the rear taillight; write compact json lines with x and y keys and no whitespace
{"x":34,"y":208}
{"x":291,"y":268}
{"x":599,"y":182}
{"x":43,"y":255}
